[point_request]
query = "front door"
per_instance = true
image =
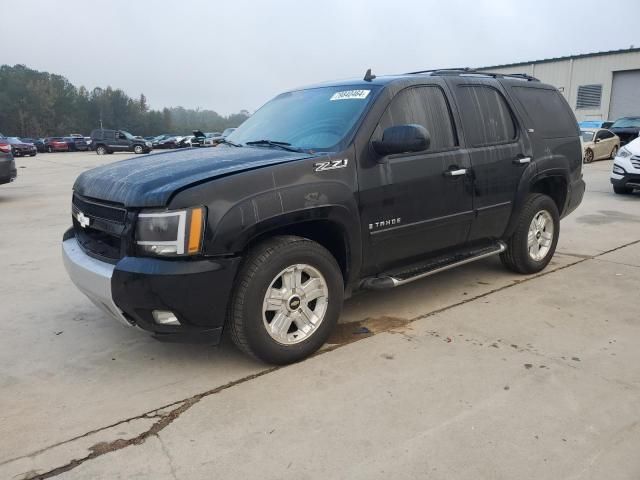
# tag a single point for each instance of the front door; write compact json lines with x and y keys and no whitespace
{"x":415,"y":204}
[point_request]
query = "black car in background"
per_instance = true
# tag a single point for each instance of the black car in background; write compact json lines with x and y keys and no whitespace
{"x":20,"y":148}
{"x":627,"y":128}
{"x":109,"y":141}
{"x":166,"y":141}
{"x":38,"y":142}
{"x":76,"y":144}
{"x":8,"y":170}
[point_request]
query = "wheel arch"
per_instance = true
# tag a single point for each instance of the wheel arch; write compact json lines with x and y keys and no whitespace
{"x":553,"y":183}
{"x":331,"y":233}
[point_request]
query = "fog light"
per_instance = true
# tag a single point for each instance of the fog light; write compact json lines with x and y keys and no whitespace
{"x":163,"y":317}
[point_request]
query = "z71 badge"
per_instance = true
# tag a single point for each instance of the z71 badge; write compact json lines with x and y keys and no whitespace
{"x":330,"y":165}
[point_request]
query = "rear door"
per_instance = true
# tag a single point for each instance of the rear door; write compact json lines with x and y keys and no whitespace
{"x":498,"y":149}
{"x":410,"y":203}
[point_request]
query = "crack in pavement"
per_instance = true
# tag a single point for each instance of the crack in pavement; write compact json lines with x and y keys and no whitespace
{"x":164,"y":421}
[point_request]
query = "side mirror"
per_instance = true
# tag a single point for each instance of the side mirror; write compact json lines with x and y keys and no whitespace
{"x":597,"y":140}
{"x":402,"y":139}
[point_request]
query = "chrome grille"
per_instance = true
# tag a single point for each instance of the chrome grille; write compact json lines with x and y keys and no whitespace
{"x":635,"y":161}
{"x":103,"y":234}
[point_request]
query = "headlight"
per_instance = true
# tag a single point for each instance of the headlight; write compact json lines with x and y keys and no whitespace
{"x":618,"y":169}
{"x":171,"y":233}
{"x":624,"y":153}
{"x":148,"y":144}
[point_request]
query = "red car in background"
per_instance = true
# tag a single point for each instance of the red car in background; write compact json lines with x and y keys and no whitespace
{"x":55,"y":144}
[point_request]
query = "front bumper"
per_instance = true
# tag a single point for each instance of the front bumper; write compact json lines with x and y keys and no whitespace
{"x":628,"y":180}
{"x":196,"y":292}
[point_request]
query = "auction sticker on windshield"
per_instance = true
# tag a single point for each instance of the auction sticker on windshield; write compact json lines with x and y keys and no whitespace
{"x":350,"y":95}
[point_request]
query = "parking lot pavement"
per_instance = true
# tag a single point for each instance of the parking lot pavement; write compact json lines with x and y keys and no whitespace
{"x":486,"y":375}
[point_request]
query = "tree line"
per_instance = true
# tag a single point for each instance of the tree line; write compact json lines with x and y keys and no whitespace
{"x":41,"y":104}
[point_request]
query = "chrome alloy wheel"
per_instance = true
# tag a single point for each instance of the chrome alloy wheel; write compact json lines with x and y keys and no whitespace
{"x":540,"y":235}
{"x":295,"y":304}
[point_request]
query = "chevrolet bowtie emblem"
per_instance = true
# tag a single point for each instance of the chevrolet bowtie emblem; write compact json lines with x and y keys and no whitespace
{"x":83,"y":220}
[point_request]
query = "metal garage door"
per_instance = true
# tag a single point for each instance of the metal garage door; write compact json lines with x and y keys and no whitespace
{"x":625,"y":95}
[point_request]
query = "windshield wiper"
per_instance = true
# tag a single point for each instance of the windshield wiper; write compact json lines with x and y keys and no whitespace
{"x":273,"y":143}
{"x":228,"y":142}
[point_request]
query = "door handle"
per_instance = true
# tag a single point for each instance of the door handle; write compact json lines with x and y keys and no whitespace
{"x":456,"y":172}
{"x":522,"y":160}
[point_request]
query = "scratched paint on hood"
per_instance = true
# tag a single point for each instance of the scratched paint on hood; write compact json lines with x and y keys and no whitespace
{"x":151,"y":180}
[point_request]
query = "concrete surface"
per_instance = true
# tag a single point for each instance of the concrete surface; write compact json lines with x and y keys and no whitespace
{"x":485,"y":375}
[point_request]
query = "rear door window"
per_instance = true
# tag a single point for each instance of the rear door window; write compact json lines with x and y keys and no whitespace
{"x":426,"y":106}
{"x":486,"y":116}
{"x":549,"y":112}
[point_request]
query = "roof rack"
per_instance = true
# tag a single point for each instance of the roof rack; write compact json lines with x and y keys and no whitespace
{"x":471,"y":71}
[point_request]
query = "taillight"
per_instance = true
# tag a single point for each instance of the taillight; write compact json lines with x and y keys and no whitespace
{"x":5,"y":147}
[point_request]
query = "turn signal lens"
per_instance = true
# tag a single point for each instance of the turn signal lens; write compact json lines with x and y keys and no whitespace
{"x":195,"y":230}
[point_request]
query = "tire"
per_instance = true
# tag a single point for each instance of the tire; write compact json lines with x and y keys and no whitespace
{"x":522,"y":255}
{"x":266,"y":268}
{"x":622,"y":190}
{"x":138,"y":149}
{"x":588,"y":156}
{"x":49,"y":149}
{"x":101,"y":150}
{"x":614,"y":152}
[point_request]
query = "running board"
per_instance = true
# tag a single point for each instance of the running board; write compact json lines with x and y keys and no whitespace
{"x":395,"y":278}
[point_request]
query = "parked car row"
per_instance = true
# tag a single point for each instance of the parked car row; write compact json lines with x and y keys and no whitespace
{"x":105,"y":141}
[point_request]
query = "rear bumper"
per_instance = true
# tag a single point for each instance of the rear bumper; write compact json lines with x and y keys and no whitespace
{"x":8,"y":171}
{"x":574,"y":196}
{"x":196,"y":292}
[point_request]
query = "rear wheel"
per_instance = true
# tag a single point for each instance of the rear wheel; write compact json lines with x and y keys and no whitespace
{"x":101,"y":150}
{"x":287,"y":299}
{"x":588,"y":156}
{"x":534,"y":241}
{"x":138,"y":149}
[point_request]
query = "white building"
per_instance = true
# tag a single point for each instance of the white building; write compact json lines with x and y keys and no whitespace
{"x":598,"y":86}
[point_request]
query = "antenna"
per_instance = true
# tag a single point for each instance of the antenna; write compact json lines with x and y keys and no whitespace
{"x":369,"y":76}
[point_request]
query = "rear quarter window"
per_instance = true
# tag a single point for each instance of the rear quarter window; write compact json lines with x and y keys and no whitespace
{"x":548,"y":110}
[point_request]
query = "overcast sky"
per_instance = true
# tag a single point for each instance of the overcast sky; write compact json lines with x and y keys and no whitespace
{"x":237,"y":54}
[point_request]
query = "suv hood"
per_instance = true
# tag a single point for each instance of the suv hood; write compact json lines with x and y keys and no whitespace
{"x":150,"y":181}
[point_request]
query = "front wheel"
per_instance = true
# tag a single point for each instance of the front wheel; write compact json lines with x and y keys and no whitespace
{"x":287,"y":299}
{"x":101,"y":150}
{"x":534,"y":241}
{"x":50,"y":149}
{"x":138,"y":149}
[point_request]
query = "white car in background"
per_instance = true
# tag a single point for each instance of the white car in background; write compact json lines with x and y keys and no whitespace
{"x":598,"y":144}
{"x":625,"y":176}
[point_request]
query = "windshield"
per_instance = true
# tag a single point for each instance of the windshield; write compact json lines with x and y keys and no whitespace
{"x":14,"y":140}
{"x":318,"y":118}
{"x":633,"y":122}
{"x":127,"y":135}
{"x":587,"y":136}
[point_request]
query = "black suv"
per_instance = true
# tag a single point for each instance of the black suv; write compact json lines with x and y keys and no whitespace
{"x":109,"y":141}
{"x":363,"y":184}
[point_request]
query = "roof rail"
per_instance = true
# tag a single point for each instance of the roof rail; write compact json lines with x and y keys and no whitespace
{"x":471,"y":71}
